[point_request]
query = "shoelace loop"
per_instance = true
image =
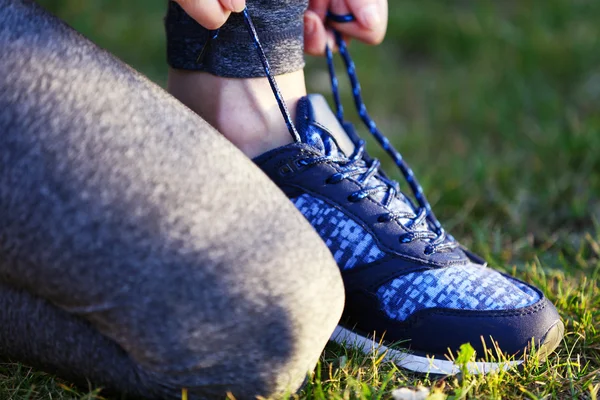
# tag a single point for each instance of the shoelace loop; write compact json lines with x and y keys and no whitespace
{"x":438,"y":240}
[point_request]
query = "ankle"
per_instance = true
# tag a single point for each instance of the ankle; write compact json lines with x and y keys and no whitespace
{"x":243,"y":110}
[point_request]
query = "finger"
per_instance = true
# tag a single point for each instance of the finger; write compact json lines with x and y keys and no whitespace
{"x":209,"y":13}
{"x":353,"y":30}
{"x":316,"y":40}
{"x":234,"y":5}
{"x":319,"y":7}
{"x":371,"y":15}
{"x":315,"y":34}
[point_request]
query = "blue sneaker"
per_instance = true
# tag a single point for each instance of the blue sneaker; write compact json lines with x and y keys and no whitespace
{"x":408,"y":283}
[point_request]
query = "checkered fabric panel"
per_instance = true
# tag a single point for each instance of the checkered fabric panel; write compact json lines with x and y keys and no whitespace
{"x":349,"y":243}
{"x":465,"y":287}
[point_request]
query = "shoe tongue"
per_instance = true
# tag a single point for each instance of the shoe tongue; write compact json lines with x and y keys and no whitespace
{"x":319,"y":128}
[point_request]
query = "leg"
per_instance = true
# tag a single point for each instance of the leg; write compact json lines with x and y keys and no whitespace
{"x":123,"y":209}
{"x":231,"y":76}
{"x":38,"y":333}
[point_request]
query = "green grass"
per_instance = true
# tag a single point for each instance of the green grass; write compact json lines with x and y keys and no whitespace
{"x":495,"y":105}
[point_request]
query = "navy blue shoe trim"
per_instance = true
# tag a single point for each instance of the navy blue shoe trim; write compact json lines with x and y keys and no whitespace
{"x":370,"y":277}
{"x":436,"y":331}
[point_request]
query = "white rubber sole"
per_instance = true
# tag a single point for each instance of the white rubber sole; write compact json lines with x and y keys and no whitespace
{"x":413,"y":362}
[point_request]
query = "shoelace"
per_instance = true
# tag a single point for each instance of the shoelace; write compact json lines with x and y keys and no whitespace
{"x":438,"y":239}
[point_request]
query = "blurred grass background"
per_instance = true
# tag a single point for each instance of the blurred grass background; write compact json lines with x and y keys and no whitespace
{"x":494,"y":104}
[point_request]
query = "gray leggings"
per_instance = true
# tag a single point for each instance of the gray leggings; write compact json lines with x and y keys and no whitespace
{"x":139,"y":250}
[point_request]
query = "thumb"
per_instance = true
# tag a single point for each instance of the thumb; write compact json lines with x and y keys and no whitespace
{"x":371,"y":19}
{"x":370,"y":14}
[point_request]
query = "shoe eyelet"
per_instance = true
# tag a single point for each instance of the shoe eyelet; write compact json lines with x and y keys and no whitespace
{"x":301,"y":163}
{"x":406,"y":238}
{"x":429,"y":250}
{"x":354,"y":198}
{"x":285,"y":170}
{"x":335,"y":178}
{"x":383,"y":218}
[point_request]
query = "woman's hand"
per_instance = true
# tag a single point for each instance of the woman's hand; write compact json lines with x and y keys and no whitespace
{"x":370,"y":25}
{"x":211,"y":14}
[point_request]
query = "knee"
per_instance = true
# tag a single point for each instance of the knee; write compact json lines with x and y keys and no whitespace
{"x":298,"y":326}
{"x":257,"y":342}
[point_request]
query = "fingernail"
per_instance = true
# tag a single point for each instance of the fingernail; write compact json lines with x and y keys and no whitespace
{"x":370,"y":17}
{"x":309,"y":26}
{"x":238,"y":5}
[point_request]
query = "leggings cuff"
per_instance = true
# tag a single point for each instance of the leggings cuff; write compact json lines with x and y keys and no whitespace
{"x":232,"y":54}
